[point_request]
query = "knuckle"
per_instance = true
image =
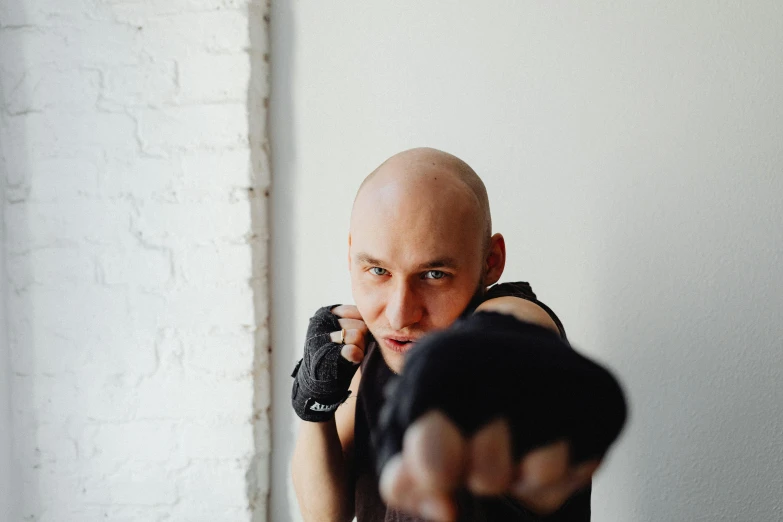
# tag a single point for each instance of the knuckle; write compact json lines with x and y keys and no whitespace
{"x":551,"y":503}
{"x":353,"y":324}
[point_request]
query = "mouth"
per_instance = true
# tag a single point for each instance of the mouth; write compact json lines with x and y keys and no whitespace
{"x":399,"y":345}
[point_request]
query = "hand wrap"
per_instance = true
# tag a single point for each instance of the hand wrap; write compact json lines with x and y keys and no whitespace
{"x":490,"y":365}
{"x":322,"y":376}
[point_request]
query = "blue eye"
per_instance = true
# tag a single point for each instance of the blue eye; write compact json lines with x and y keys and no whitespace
{"x":434,"y":274}
{"x":376,"y":270}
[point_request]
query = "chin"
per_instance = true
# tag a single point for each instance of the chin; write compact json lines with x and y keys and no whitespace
{"x":394,"y":359}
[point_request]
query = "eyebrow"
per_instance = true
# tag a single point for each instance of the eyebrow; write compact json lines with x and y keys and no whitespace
{"x":442,"y":262}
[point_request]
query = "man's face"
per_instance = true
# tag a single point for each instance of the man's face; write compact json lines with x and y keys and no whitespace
{"x":416,"y":262}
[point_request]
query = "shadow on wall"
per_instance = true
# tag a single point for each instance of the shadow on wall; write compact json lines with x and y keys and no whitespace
{"x":25,"y":456}
{"x":281,"y":117}
{"x":6,"y":473}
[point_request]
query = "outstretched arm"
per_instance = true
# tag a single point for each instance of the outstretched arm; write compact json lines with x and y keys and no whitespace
{"x":496,"y":405}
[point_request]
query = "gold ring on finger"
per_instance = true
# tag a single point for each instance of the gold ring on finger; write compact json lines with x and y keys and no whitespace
{"x":342,"y":336}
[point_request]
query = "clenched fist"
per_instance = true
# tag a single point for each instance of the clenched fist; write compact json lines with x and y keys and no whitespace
{"x":437,"y":461}
{"x":351,"y":321}
{"x":333,"y":348}
{"x":494,"y":406}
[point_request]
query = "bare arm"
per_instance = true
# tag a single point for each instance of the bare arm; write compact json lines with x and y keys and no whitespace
{"x":322,"y":465}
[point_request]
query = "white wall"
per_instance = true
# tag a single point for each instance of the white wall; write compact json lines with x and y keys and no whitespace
{"x":633,"y":152}
{"x":6,"y":473}
{"x":133,"y":143}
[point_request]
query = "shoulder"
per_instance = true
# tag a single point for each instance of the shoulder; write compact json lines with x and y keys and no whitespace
{"x":521,"y":308}
{"x":519,"y":300}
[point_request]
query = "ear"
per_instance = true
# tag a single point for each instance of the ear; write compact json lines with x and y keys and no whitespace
{"x":495,"y":261}
{"x":349,"y":251}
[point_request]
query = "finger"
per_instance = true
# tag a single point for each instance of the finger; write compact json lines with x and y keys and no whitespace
{"x":351,"y":337}
{"x":399,"y":490}
{"x":352,"y":353}
{"x":542,"y":468}
{"x":353,"y":324}
{"x":438,"y":507}
{"x":547,"y":500}
{"x":435,"y":450}
{"x":490,"y":465}
{"x":347,"y":312}
{"x":396,"y":485}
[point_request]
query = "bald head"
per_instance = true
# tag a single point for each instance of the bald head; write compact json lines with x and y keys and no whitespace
{"x":427,"y":177}
{"x":419,"y":248}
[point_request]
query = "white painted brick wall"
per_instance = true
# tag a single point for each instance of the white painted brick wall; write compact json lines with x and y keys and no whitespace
{"x":132,"y":143}
{"x":6,"y":473}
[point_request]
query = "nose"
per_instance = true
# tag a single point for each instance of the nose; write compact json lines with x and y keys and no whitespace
{"x":404,"y":308}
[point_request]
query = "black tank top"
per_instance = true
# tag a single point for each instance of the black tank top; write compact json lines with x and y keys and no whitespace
{"x":369,"y":505}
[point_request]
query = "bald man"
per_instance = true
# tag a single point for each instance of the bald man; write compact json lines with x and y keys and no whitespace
{"x":422,"y":256}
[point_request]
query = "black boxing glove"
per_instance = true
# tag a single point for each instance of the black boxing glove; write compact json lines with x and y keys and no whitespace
{"x":491,"y":365}
{"x":322,"y":376}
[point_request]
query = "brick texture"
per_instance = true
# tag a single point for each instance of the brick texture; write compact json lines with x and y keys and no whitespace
{"x":133,"y":150}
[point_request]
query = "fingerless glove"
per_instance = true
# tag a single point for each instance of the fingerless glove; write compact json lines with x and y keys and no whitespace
{"x":322,"y":376}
